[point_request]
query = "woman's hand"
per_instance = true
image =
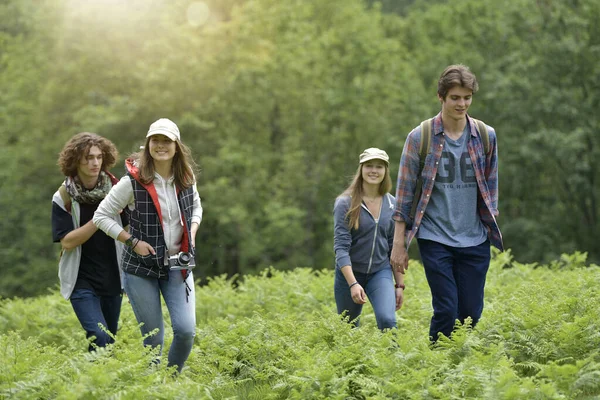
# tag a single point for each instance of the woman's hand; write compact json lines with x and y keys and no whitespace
{"x":193,"y":231}
{"x":399,"y":298}
{"x":143,"y":249}
{"x":358,"y":294}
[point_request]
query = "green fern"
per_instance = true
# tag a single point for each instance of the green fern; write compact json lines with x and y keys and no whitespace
{"x":277,"y":336}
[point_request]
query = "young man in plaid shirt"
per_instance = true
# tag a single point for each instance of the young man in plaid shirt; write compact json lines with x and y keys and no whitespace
{"x":454,"y":220}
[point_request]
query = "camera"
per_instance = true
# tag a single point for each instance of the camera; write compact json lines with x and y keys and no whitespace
{"x":182,"y":260}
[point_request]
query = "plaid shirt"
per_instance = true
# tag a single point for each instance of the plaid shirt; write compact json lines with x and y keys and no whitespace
{"x":145,"y":224}
{"x":486,"y":172}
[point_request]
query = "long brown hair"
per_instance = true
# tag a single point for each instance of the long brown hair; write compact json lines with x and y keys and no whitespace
{"x":79,"y":146}
{"x":355,"y":191}
{"x":184,"y":168}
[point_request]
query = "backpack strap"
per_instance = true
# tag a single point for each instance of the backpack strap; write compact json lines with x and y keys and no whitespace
{"x":485,"y":136}
{"x":62,"y":190}
{"x":426,"y":127}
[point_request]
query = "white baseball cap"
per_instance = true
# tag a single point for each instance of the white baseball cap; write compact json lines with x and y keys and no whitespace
{"x":165,"y":126}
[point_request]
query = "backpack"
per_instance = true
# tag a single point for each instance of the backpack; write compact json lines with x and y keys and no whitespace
{"x":426,"y":127}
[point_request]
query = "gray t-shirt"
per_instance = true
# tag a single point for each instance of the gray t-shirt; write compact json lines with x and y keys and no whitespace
{"x":451,"y":216}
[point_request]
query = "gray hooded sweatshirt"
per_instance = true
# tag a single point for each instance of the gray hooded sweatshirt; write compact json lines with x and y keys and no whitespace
{"x":368,"y":248}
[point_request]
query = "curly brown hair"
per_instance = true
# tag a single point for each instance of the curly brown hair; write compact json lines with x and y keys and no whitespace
{"x":79,"y":146}
{"x":184,"y":167}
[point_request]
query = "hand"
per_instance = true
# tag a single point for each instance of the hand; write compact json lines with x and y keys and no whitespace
{"x":399,"y":259}
{"x":143,"y":249}
{"x":193,"y":231}
{"x":358,"y":294}
{"x":399,"y":298}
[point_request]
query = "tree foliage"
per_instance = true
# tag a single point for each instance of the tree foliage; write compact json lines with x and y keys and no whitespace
{"x":277,"y":99}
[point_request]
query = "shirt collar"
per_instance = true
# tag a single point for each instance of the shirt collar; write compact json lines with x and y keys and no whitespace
{"x":438,"y":127}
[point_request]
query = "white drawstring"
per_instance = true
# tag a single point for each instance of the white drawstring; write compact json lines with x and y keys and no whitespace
{"x":178,"y":209}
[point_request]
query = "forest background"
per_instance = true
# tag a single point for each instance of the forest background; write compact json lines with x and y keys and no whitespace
{"x":277,"y":99}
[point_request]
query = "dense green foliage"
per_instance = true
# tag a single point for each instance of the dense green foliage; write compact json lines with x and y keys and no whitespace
{"x":277,"y":99}
{"x":277,"y":336}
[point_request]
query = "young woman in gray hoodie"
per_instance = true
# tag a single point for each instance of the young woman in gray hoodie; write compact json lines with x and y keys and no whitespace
{"x":363,"y":238}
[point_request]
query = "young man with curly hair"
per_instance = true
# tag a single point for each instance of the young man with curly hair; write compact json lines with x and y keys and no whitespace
{"x":89,"y":269}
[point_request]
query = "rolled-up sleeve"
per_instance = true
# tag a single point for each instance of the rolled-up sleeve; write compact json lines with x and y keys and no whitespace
{"x":342,"y":238}
{"x":119,"y":197}
{"x":407,"y":176}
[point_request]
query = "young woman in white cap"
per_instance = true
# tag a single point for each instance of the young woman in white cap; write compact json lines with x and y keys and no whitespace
{"x":160,"y":191}
{"x":362,"y":241}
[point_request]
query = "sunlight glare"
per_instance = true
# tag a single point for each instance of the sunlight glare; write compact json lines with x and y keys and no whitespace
{"x":198,"y":13}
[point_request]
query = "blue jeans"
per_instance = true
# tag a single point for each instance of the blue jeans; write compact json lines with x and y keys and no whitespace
{"x":92,"y":310}
{"x":456,"y":277}
{"x":144,"y":296}
{"x":378,"y":286}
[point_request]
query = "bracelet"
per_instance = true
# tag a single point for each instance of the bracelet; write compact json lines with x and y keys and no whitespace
{"x":400,"y":286}
{"x":135,"y":244}
{"x":355,"y":283}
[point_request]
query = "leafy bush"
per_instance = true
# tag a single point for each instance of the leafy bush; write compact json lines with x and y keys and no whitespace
{"x":276,"y":336}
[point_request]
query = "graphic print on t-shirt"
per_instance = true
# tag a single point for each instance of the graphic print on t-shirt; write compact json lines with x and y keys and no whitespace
{"x":447,"y":171}
{"x":451,"y":215}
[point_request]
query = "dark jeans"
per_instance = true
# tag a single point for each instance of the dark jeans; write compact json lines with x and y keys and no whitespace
{"x":92,"y":310}
{"x":456,"y":277}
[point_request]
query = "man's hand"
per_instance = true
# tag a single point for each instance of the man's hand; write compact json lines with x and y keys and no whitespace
{"x":399,"y":256}
{"x":399,"y":259}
